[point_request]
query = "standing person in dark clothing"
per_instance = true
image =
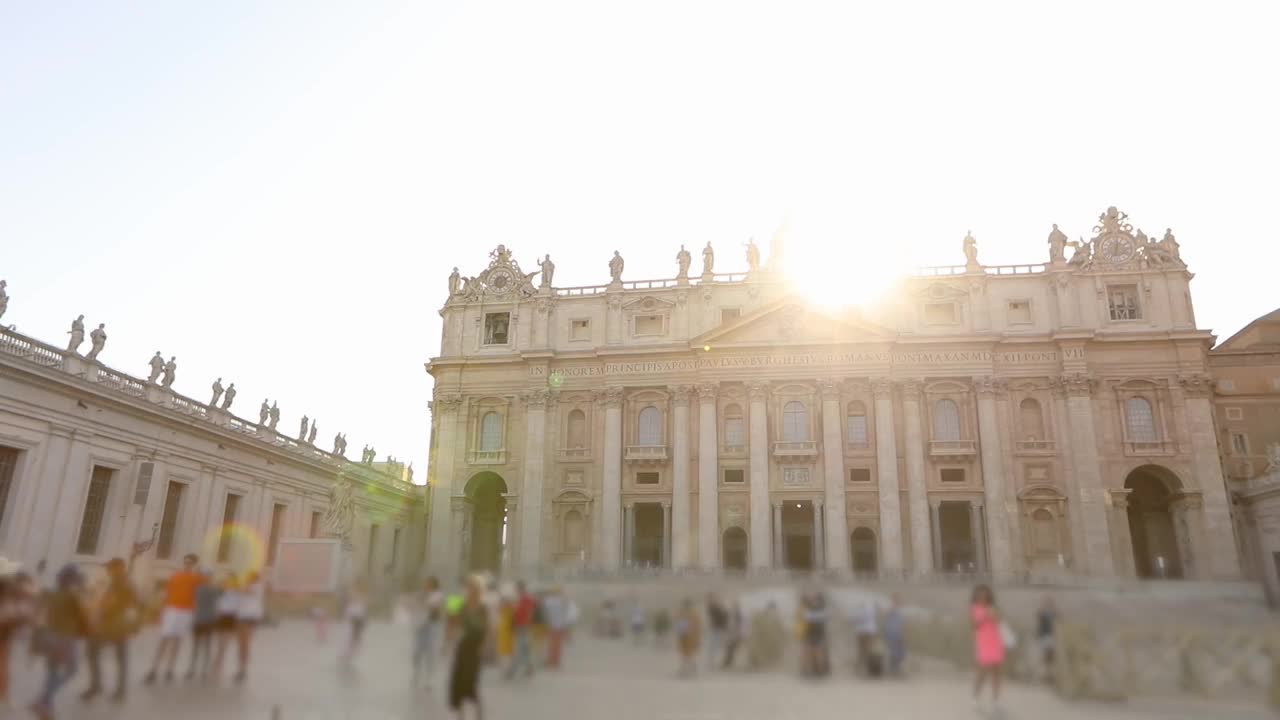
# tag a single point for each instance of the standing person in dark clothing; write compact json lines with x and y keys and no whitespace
{"x":473,"y":626}
{"x":1046,"y":618}
{"x":118,"y":617}
{"x":717,"y":629}
{"x":205,"y":623}
{"x":65,"y":624}
{"x":737,"y":629}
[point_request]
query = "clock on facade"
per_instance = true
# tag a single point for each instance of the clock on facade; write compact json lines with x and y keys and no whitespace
{"x":1116,"y":249}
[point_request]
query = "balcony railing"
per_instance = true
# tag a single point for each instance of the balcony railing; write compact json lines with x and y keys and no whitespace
{"x":1035,"y":446}
{"x":646,"y":453}
{"x":951,"y":448}
{"x":576,"y":454}
{"x":795,"y":448}
{"x":487,"y":457}
{"x":1156,"y":447}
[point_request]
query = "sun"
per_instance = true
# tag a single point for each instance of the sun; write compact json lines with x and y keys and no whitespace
{"x":841,"y":272}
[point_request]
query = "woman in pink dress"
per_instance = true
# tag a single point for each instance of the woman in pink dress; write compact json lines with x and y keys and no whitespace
{"x":988,"y":642}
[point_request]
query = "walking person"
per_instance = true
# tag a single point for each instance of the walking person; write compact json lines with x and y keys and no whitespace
{"x":429,"y":616}
{"x":895,"y":636}
{"x":737,"y":631}
{"x":717,"y":629}
{"x":205,"y":624}
{"x":688,"y":638}
{"x":177,"y":618}
{"x":637,"y":623}
{"x":1046,"y":620}
{"x":988,"y":643}
{"x":865,"y":631}
{"x":522,"y":625}
{"x":118,"y":618}
{"x":815,"y":635}
{"x":473,"y":626}
{"x":65,"y":622}
{"x":250,"y":612}
{"x":554,"y":612}
{"x":356,"y":613}
{"x":17,"y":610}
{"x":228,"y":607}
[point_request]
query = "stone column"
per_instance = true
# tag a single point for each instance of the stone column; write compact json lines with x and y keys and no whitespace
{"x":37,"y":499}
{"x":837,"y":526}
{"x":935,"y":509}
{"x":64,"y":525}
{"x":531,"y":490}
{"x":666,"y":535}
{"x":759,"y":440}
{"x":611,"y":493}
{"x":819,"y":559}
{"x":677,"y":555}
{"x":1121,"y":538}
{"x":779,"y":552}
{"x":923,"y":550}
{"x":1219,"y":557}
{"x":993,"y":479}
{"x":1088,"y":476}
{"x":708,"y":484}
{"x":887,"y":472}
{"x":1187,"y":510}
{"x":979,"y":535}
{"x":629,"y":535}
{"x":442,"y":546}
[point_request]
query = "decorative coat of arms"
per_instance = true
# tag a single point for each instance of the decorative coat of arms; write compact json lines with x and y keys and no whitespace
{"x":1117,"y":246}
{"x":502,"y":280}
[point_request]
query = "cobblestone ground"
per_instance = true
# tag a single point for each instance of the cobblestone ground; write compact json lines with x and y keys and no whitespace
{"x":612,"y":680}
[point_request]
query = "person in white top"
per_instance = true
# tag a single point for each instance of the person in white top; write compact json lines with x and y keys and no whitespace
{"x":429,"y":617}
{"x":356,"y":612}
{"x":250,"y":611}
{"x":227,"y":623}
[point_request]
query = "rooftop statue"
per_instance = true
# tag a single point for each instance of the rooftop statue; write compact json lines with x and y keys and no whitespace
{"x":275,"y":416}
{"x":302,"y":429}
{"x":708,"y":259}
{"x":263,"y":412}
{"x":454,"y":281}
{"x":157,"y":367}
{"x":682,"y":260}
{"x":311,"y":436}
{"x":217,"y":392}
{"x":97,"y":340}
{"x":548,"y":271}
{"x":170,"y":371}
{"x":230,"y":396}
{"x":615,"y":267}
{"x":1057,"y":245}
{"x":753,"y":256}
{"x":4,"y":298}
{"x":970,"y":251}
{"x":77,"y":334}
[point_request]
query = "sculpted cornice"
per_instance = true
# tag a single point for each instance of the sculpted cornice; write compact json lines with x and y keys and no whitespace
{"x":1075,"y":385}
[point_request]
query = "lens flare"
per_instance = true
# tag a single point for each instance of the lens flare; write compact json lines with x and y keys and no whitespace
{"x":238,"y":545}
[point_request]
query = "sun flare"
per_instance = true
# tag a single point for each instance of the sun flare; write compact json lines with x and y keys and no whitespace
{"x":836,"y":271}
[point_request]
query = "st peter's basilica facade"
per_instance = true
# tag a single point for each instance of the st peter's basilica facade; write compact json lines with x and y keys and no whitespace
{"x":1012,"y":420}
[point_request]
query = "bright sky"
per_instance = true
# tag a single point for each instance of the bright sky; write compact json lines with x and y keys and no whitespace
{"x":276,"y":192}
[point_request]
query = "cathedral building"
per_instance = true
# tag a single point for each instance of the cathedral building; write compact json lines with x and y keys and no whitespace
{"x":1054,"y":417}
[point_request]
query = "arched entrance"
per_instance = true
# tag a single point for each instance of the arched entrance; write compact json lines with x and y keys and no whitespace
{"x":862,"y":550}
{"x":485,"y":492}
{"x":734,"y":547}
{"x":1151,"y":522}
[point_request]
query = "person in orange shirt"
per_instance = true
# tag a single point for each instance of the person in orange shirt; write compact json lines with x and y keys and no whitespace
{"x":176,"y":620}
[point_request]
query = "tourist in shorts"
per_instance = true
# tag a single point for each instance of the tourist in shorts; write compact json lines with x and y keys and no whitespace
{"x":250,"y":612}
{"x":177,"y":618}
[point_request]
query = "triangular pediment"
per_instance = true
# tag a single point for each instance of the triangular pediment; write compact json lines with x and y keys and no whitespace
{"x":794,"y":322}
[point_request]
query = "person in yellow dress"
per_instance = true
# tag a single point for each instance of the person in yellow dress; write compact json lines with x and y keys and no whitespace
{"x":506,"y":638}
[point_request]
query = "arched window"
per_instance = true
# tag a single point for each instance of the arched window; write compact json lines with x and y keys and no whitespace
{"x":650,"y":426}
{"x":856,"y":424}
{"x":577,"y":429}
{"x":574,"y":536}
{"x":946,"y":420}
{"x":795,"y":422}
{"x":1031,"y":419}
{"x":1139,"y":420}
{"x":735,"y":430}
{"x":490,"y":432}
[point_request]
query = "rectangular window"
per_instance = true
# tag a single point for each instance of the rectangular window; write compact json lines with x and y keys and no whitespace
{"x":734,"y":476}
{"x":8,"y":466}
{"x":579,"y":329}
{"x":169,"y":519}
{"x":395,"y":549}
{"x":1235,"y":413}
{"x":646,"y":478}
{"x":1019,"y":312}
{"x":95,"y":509}
{"x":728,"y":315}
{"x":373,"y":548}
{"x":859,"y":475}
{"x":1122,"y":302}
{"x":316,"y":516}
{"x":648,"y":324}
{"x":143,"y":487}
{"x":497,"y":327}
{"x":735,"y":432}
{"x":952,"y":475}
{"x":1239,"y":443}
{"x":273,"y":535}
{"x":940,"y":313}
{"x":228,"y":519}
{"x":857,"y":431}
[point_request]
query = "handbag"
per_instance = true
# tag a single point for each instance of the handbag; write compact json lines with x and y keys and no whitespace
{"x":1008,"y":636}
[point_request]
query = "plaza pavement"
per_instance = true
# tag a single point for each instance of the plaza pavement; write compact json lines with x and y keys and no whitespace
{"x":607,"y":680}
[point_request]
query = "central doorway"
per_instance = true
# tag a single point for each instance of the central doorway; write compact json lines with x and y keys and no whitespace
{"x":486,"y":494}
{"x":862,"y":550}
{"x":734,"y":547}
{"x":1151,"y":526}
{"x":646,"y":549}
{"x":959,"y":551}
{"x":797,"y":534}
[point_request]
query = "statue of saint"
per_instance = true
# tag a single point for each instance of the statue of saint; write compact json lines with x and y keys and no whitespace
{"x":372,"y":455}
{"x":157,"y":367}
{"x":340,"y":517}
{"x":98,"y":339}
{"x":1057,"y":245}
{"x":454,"y":281}
{"x":77,"y":334}
{"x":970,"y":250}
{"x":311,"y":436}
{"x":708,"y":259}
{"x":275,"y":415}
{"x":4,"y":298}
{"x":753,"y":256}
{"x":682,"y":261}
{"x":170,"y":371}
{"x":230,"y":396}
{"x":548,"y":271}
{"x":302,"y":429}
{"x":217,"y":392}
{"x":337,"y":444}
{"x":615,"y":267}
{"x":1170,"y":245}
{"x":263,"y":412}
